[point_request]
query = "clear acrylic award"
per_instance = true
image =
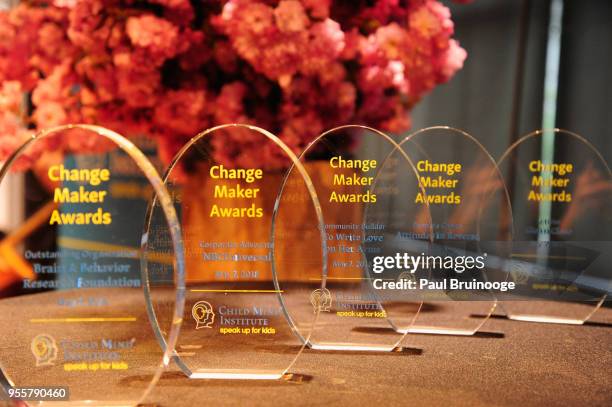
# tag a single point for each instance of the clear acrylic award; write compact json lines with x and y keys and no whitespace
{"x":362,"y":214}
{"x":458,"y":274}
{"x":253,"y":280}
{"x":561,"y":191}
{"x":74,"y":317}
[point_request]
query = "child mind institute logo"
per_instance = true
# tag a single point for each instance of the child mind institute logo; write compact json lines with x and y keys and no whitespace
{"x":203,"y":314}
{"x":44,"y":349}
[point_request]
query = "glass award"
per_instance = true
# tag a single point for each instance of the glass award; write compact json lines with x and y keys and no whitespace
{"x":247,"y":315}
{"x":561,"y":191}
{"x":470,"y":231}
{"x":75,"y":327}
{"x":358,"y":307}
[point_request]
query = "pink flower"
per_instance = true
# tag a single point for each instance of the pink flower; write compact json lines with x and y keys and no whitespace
{"x":137,"y":88}
{"x":88,"y":28}
{"x":230,"y":108}
{"x":103,"y":80}
{"x":49,"y":114}
{"x":332,"y":74}
{"x":290,"y":16}
{"x":12,"y":137}
{"x":225,"y":57}
{"x":346,"y":99}
{"x":317,"y":8}
{"x":169,"y":68}
{"x":391,"y":40}
{"x":125,"y":119}
{"x":351,"y":44}
{"x":55,"y":87}
{"x":157,"y":35}
{"x":65,"y":3}
{"x":256,"y":38}
{"x":325,"y":44}
{"x":10,"y":125}
{"x":245,"y":16}
{"x":298,"y":130}
{"x":430,"y":19}
{"x":452,"y":60}
{"x":181,"y":111}
{"x":52,"y":40}
{"x":384,"y":57}
{"x":257,"y":17}
{"x":398,"y":122}
{"x":11,"y":97}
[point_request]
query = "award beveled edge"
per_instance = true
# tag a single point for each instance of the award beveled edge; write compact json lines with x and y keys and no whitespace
{"x":488,"y":307}
{"x":195,"y":372}
{"x":150,"y":173}
{"x":534,"y":310}
{"x":347,"y":345}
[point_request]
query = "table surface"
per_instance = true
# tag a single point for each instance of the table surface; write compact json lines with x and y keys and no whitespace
{"x":531,"y":364}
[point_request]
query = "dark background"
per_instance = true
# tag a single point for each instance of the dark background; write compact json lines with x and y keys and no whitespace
{"x":498,"y":95}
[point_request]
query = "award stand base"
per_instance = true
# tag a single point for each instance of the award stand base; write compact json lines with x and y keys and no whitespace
{"x":424,"y":330}
{"x":259,"y":375}
{"x":436,"y":331}
{"x":238,"y":375}
{"x":351,"y":348}
{"x":344,"y":348}
{"x":549,"y":320}
{"x":116,"y":403}
{"x":545,"y":319}
{"x":549,"y":312}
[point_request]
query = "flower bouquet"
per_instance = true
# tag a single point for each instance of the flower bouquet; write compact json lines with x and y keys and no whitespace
{"x":168,"y":69}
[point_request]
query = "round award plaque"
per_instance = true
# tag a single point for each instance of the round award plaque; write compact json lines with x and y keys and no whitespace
{"x":75,"y":328}
{"x":460,"y":271}
{"x":561,"y":190}
{"x":360,"y":300}
{"x":247,"y":315}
